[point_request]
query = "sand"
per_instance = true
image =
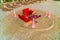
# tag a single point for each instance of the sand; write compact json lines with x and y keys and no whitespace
{"x":14,"y":31}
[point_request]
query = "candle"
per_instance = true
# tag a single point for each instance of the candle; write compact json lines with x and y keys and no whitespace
{"x":14,"y":14}
{"x":33,"y":23}
{"x":48,"y":14}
